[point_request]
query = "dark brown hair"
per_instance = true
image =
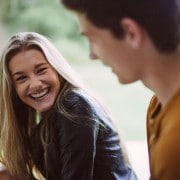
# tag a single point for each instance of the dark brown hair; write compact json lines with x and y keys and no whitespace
{"x":160,"y":18}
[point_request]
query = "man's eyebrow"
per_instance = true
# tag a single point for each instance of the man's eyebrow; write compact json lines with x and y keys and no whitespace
{"x":83,"y":34}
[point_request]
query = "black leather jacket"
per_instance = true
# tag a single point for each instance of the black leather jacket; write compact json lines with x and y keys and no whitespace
{"x":82,"y":147}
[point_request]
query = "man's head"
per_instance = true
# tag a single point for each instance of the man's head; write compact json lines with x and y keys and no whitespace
{"x":117,"y":30}
{"x":160,"y":18}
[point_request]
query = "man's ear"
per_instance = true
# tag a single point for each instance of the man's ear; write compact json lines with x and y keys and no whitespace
{"x":133,"y":32}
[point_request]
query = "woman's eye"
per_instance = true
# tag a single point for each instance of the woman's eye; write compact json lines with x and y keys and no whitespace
{"x":20,"y":78}
{"x":41,"y":70}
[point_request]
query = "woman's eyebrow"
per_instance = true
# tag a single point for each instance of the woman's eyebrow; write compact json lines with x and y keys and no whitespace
{"x":38,"y":65}
{"x":17,"y":73}
{"x":21,"y":72}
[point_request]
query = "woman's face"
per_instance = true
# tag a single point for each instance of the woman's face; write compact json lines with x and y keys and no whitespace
{"x":36,"y":82}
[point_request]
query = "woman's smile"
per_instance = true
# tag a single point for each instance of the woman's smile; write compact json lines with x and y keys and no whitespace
{"x":40,"y":95}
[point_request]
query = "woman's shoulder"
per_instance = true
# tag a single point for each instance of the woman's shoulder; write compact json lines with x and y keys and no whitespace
{"x":73,"y":112}
{"x":84,"y":104}
{"x":78,"y":98}
{"x":77,"y":94}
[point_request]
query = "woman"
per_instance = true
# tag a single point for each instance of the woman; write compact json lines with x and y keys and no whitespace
{"x":49,"y":124}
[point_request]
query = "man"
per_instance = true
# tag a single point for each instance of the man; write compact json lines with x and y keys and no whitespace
{"x":139,"y":40}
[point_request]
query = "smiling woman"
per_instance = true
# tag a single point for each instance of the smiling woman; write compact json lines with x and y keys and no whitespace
{"x":36,"y":82}
{"x":73,"y":138}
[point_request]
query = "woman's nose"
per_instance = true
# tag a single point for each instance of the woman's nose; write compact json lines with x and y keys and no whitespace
{"x":35,"y":84}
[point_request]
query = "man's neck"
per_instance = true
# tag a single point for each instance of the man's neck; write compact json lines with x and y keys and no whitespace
{"x":163,"y":76}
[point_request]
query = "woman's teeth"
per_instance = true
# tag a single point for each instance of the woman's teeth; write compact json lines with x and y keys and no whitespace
{"x":40,"y":94}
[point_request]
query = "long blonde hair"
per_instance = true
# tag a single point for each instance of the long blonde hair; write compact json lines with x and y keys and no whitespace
{"x":16,"y":118}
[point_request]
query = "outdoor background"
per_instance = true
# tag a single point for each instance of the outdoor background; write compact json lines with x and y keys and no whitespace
{"x":127,"y":103}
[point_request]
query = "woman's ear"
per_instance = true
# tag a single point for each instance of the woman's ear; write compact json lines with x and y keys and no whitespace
{"x":133,"y":32}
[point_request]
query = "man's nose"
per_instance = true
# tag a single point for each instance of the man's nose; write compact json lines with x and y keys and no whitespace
{"x":92,"y":53}
{"x":92,"y":56}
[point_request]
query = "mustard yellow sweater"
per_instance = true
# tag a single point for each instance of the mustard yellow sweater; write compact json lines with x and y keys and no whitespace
{"x":163,"y":136}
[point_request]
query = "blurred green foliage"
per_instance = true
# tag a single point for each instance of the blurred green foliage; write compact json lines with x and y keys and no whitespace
{"x":47,"y":17}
